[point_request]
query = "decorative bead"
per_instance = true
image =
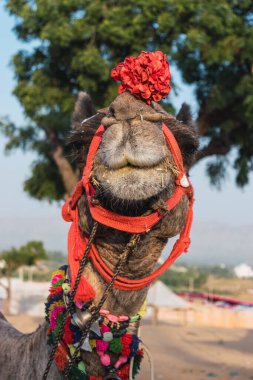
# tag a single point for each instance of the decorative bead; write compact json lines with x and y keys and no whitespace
{"x":123,"y":318}
{"x":184,"y":181}
{"x":81,"y":366}
{"x":122,"y":359}
{"x":134,"y":318}
{"x":107,"y":336}
{"x":105,"y":360}
{"x":66,"y":288}
{"x":112,"y":318}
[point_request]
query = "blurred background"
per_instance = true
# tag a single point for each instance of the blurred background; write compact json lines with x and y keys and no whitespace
{"x":201,"y":310}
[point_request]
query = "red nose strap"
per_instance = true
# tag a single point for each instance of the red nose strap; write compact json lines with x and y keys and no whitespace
{"x":132,"y":224}
{"x":137,"y":224}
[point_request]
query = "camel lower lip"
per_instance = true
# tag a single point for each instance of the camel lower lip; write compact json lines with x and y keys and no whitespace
{"x":133,"y":185}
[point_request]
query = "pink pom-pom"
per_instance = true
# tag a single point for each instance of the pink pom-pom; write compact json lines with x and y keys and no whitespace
{"x":122,"y":359}
{"x":56,"y":277}
{"x":105,"y":360}
{"x":101,"y":345}
{"x":104,"y":329}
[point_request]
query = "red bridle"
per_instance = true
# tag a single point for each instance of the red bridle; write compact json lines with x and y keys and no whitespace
{"x":137,"y":224}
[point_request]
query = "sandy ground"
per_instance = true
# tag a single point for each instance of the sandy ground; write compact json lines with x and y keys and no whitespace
{"x":187,"y":353}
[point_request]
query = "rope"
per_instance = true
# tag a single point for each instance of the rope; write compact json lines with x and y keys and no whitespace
{"x":82,"y":262}
{"x":95,"y":310}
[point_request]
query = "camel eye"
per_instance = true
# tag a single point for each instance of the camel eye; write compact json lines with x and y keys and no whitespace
{"x":189,"y":148}
{"x":111,"y":111}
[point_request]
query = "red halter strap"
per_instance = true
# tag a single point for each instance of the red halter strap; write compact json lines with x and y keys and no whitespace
{"x":139,"y":224}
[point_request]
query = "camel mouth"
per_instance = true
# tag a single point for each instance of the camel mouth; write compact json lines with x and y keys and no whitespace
{"x":130,"y":186}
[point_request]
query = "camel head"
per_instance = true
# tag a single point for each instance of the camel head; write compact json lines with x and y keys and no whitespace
{"x":133,"y":169}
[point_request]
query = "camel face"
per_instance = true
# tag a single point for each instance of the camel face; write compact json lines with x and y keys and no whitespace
{"x":133,"y":163}
{"x":133,"y":168}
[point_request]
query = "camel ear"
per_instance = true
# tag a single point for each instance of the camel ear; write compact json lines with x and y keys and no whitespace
{"x":186,"y":135}
{"x":184,"y":115}
{"x":84,"y":108}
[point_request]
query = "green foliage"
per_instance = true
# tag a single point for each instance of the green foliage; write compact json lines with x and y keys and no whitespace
{"x":75,"y":43}
{"x":218,"y":271}
{"x":181,"y":280}
{"x":27,"y":254}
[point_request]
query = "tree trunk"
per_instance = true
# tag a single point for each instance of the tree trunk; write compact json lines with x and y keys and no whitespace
{"x":68,"y":175}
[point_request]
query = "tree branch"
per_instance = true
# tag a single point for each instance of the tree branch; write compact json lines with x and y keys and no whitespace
{"x":69,"y":177}
{"x":212,"y":149}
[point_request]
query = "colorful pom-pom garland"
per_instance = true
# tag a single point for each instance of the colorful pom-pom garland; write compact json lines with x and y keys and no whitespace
{"x":111,"y":337}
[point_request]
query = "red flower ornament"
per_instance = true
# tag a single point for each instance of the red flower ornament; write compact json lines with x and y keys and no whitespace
{"x":147,"y":76}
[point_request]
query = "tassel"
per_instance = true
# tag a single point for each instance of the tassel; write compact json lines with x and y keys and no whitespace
{"x":84,"y":292}
{"x":76,"y":248}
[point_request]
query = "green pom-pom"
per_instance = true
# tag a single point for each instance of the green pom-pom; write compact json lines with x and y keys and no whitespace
{"x":115,"y":345}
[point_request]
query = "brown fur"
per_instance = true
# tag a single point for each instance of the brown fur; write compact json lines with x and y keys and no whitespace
{"x":135,"y":174}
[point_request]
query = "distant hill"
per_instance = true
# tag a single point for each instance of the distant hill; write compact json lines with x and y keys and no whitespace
{"x":219,"y":243}
{"x":211,"y":243}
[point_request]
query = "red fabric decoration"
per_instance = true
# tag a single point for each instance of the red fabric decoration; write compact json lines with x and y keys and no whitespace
{"x":146,"y":76}
{"x":95,"y":378}
{"x":77,"y":242}
{"x":76,"y":248}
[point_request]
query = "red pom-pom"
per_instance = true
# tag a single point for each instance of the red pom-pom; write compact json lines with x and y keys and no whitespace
{"x":61,"y":357}
{"x":68,"y":333}
{"x":123,"y":372}
{"x":126,"y":340}
{"x":146,"y":76}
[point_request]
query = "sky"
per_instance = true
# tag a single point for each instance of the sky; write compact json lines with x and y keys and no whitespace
{"x":222,"y":218}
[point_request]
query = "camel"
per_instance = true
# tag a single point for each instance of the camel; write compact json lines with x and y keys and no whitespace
{"x":134,"y":173}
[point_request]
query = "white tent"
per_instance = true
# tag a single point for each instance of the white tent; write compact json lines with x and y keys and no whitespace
{"x":243,"y":271}
{"x":161,"y":296}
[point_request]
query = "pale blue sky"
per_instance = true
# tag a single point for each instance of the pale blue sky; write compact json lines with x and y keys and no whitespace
{"x":231,"y":206}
